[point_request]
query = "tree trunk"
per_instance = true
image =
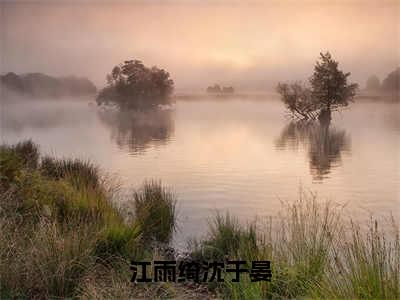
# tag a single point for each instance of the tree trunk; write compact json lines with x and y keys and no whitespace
{"x":325,"y":116}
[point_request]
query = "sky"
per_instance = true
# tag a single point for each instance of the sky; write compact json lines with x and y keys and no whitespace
{"x":248,"y":44}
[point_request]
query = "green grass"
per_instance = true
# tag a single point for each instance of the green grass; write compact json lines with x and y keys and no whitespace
{"x":155,"y":212}
{"x":60,"y":226}
{"x":227,"y":237}
{"x":313,"y":254}
{"x":14,"y":158}
{"x":80,"y":173}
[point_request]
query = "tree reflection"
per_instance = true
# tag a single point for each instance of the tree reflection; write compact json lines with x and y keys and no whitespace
{"x":139,"y":130}
{"x":324,"y":145}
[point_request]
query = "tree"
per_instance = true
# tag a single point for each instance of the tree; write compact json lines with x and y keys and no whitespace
{"x":329,"y":86}
{"x":373,"y":83}
{"x":392,"y":81}
{"x":214,"y":89}
{"x":132,"y":85}
{"x":297,"y":100}
{"x":328,"y":91}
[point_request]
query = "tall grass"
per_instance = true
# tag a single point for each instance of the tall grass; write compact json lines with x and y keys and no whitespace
{"x":14,"y":158}
{"x":60,"y":226}
{"x":313,"y":254}
{"x":155,"y":211}
{"x":366,"y":264}
{"x":227,"y":237}
{"x":80,"y":173}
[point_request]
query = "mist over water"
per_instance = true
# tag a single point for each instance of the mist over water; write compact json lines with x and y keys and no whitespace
{"x":249,"y":44}
{"x":241,"y":156}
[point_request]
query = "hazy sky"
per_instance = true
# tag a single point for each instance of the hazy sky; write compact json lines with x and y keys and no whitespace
{"x":247,"y":43}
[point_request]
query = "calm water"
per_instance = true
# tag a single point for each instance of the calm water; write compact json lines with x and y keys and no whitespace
{"x":241,"y":156}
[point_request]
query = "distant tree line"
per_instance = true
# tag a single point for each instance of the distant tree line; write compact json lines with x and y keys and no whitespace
{"x":132,"y":85}
{"x":391,"y":83}
{"x":41,"y":85}
{"x":328,"y":90}
{"x":216,"y":89}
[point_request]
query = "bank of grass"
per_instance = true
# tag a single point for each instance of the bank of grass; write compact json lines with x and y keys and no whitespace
{"x":62,"y":234}
{"x":313,"y":251}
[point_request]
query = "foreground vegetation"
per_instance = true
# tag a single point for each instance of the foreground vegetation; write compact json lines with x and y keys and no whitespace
{"x":312,"y":252}
{"x":62,"y":235}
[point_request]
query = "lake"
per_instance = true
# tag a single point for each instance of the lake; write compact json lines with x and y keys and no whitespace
{"x":245,"y":157}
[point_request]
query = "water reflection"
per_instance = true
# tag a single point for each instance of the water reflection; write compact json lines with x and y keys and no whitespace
{"x":137,"y":131}
{"x":324,"y":145}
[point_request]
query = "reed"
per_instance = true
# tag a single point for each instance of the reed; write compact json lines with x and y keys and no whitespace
{"x":314,"y":253}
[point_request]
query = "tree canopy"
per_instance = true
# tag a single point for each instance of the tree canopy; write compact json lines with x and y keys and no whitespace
{"x":373,"y":83}
{"x":328,"y":90}
{"x":132,"y":85}
{"x":392,"y":81}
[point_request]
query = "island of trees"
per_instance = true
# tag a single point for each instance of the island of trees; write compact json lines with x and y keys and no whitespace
{"x":328,"y":90}
{"x":217,"y":89}
{"x":132,"y":85}
{"x":45,"y":86}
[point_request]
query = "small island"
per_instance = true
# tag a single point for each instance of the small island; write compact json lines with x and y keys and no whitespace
{"x":216,"y":89}
{"x":133,"y":86}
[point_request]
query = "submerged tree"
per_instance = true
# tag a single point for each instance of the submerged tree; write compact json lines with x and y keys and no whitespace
{"x":132,"y":85}
{"x":328,"y":91}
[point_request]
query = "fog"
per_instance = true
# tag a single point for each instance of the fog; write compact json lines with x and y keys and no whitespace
{"x":250,"y":45}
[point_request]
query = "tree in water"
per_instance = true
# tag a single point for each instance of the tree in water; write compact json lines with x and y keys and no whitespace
{"x":328,"y":91}
{"x":132,"y":85}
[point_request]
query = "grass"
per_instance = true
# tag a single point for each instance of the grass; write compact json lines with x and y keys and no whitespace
{"x":155,"y":212}
{"x":61,"y":228}
{"x":313,"y":254}
{"x":62,"y":236}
